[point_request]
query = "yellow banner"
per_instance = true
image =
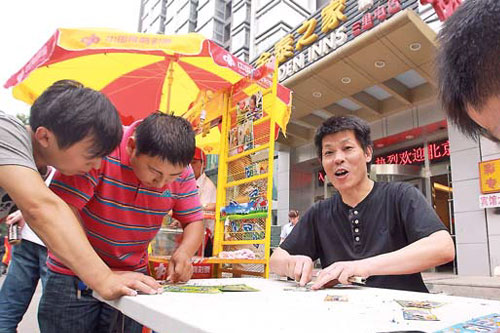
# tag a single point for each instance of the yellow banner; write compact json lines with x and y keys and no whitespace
{"x":78,"y":39}
{"x":489,"y":176}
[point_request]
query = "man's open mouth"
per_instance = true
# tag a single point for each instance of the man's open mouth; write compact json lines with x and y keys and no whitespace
{"x":341,"y":172}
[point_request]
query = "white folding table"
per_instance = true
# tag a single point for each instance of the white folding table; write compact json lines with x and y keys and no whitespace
{"x":273,"y":309}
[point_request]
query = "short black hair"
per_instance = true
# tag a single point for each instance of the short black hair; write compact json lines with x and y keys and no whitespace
{"x":468,"y":62}
{"x":73,"y":112}
{"x":169,"y":137}
{"x":337,"y":124}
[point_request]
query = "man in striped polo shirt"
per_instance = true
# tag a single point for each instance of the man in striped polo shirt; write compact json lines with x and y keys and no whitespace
{"x":121,"y":206}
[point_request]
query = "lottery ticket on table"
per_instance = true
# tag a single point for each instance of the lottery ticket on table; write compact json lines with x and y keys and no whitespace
{"x":419,"y":304}
{"x":336,"y":298}
{"x":418,"y":314}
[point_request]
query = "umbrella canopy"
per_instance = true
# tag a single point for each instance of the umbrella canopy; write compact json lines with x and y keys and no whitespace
{"x":142,"y":73}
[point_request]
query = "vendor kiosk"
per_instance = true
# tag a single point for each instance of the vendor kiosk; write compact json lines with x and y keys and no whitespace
{"x":248,"y":126}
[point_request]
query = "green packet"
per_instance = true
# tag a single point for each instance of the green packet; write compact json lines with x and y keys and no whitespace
{"x":208,"y":289}
{"x":237,"y":287}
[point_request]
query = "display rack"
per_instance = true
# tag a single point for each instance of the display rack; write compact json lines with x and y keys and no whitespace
{"x":244,"y":191}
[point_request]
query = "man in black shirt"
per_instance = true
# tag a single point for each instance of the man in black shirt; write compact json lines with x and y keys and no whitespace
{"x":385,"y":232}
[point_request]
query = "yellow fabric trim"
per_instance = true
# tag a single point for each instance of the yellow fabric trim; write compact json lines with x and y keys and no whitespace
{"x":81,"y":39}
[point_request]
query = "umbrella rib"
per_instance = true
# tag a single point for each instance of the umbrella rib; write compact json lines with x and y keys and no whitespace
{"x":160,"y":65}
{"x":128,"y":86}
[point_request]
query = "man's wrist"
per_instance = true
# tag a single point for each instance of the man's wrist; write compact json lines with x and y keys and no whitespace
{"x":181,"y":251}
{"x":368,"y":266}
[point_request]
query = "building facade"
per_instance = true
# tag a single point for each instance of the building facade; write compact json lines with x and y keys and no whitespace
{"x":373,"y":59}
{"x":381,"y":69}
{"x":211,"y":18}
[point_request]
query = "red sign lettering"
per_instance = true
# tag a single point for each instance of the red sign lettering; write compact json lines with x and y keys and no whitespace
{"x":416,"y":155}
{"x":443,"y":8}
{"x":380,"y":13}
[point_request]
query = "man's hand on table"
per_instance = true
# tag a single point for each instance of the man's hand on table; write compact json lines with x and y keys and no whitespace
{"x":300,"y":268}
{"x":340,"y":271}
{"x":125,"y":283}
{"x":180,"y":268}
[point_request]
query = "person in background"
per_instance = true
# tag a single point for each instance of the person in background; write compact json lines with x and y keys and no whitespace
{"x":293,"y":218}
{"x":208,"y":194}
{"x":385,"y":232}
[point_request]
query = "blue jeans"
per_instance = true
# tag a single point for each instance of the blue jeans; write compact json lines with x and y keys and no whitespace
{"x":60,"y":310}
{"x":27,"y":266}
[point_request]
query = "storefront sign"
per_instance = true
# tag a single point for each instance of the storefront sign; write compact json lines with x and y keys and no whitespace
{"x":415,"y":155}
{"x":334,"y":25}
{"x":489,"y":176}
{"x":443,"y":8}
{"x":489,"y":200}
{"x":317,"y":51}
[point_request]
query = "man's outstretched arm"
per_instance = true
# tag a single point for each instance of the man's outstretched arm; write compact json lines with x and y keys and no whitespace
{"x":54,"y":222}
{"x":431,"y":251}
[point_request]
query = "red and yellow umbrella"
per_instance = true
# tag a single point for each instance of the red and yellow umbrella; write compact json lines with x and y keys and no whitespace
{"x":141,"y":73}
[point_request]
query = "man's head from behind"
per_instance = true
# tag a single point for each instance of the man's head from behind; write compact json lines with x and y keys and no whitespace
{"x":74,"y":127}
{"x":344,"y":147}
{"x":162,"y":146}
{"x":468,"y":66}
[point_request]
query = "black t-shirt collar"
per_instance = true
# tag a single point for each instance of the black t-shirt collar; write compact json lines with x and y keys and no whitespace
{"x":363,"y":202}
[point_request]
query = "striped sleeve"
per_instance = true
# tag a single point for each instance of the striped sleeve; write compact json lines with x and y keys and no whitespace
{"x":75,"y":190}
{"x":187,"y":206}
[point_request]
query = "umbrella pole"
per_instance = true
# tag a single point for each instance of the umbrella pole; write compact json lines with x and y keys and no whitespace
{"x":170,"y":79}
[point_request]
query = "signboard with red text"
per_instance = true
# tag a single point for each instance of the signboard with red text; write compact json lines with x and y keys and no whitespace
{"x":332,"y":26}
{"x":437,"y":151}
{"x":489,"y":176}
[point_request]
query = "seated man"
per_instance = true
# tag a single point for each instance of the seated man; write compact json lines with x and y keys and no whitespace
{"x":385,"y":232}
{"x":71,"y":128}
{"x":121,"y":206}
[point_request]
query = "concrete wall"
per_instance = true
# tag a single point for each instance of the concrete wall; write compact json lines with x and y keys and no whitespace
{"x":406,"y":120}
{"x":470,"y":221}
{"x":283,"y":185}
{"x":491,"y":151}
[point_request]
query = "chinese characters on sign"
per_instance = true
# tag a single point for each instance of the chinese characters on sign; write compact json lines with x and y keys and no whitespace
{"x":307,"y":30}
{"x":416,"y":155}
{"x":489,"y":200}
{"x":489,"y":176}
{"x":443,"y":8}
{"x":319,"y":36}
{"x":332,"y":14}
{"x":284,"y":48}
{"x":380,"y":13}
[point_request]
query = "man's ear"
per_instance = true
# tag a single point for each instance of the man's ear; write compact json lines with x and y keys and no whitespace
{"x":44,"y":137}
{"x":131,"y":145}
{"x":369,"y":153}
